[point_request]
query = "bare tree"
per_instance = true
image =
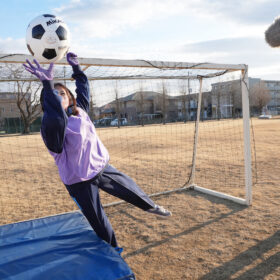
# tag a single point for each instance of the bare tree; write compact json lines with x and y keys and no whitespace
{"x":189,"y":99}
{"x":235,"y":96}
{"x":204,"y":102}
{"x":117,"y":102}
{"x":91,"y":108}
{"x":217,"y":96}
{"x":183,"y":91}
{"x":259,"y":96}
{"x":27,"y":97}
{"x":91,"y":104}
{"x":163,"y":102}
{"x":140,"y":104}
{"x":219,"y":104}
{"x":28,"y":103}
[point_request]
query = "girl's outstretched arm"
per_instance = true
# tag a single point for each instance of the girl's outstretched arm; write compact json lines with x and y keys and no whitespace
{"x":82,"y":90}
{"x":54,"y":120}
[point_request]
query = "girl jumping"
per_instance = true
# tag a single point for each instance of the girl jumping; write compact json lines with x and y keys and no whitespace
{"x":81,"y":157}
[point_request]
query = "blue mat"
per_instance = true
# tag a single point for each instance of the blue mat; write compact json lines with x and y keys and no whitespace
{"x":57,"y":248}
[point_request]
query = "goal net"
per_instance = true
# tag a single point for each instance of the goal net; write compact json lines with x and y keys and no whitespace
{"x":168,"y":125}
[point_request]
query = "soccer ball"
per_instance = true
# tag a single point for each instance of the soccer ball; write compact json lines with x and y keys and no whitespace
{"x":47,"y":38}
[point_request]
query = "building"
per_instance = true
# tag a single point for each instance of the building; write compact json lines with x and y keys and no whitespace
{"x":132,"y":106}
{"x":11,"y":118}
{"x":227,"y":97}
{"x":149,"y":105}
{"x":273,"y":105}
{"x":8,"y":105}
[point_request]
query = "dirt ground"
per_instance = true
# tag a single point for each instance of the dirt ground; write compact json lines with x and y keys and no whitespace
{"x":206,"y":238}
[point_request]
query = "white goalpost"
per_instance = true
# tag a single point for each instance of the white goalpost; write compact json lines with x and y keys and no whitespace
{"x":247,"y":151}
{"x":179,"y":126}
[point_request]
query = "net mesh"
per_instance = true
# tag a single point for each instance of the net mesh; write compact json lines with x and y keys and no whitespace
{"x":154,"y":146}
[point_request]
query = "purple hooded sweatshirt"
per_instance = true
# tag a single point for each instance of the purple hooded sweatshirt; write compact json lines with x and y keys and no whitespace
{"x":72,"y":140}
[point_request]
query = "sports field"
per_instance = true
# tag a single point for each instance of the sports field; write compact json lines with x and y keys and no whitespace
{"x":206,"y":238}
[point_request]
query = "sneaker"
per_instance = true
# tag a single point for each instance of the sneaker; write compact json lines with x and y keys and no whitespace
{"x":159,"y":210}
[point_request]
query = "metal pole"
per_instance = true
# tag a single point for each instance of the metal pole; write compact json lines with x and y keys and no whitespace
{"x":246,"y":133}
{"x":191,"y":181}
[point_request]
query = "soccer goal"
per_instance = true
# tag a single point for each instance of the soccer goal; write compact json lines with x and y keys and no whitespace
{"x":168,"y":125}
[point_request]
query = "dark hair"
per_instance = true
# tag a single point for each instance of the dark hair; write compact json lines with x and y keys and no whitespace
{"x":71,"y":97}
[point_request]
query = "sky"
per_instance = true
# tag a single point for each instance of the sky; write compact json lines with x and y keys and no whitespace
{"x":218,"y":31}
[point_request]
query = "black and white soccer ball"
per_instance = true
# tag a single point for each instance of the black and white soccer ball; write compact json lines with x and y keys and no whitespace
{"x":47,"y":38}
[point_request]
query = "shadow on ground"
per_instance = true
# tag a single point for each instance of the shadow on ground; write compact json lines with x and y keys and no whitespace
{"x":232,"y":206}
{"x":228,"y":269}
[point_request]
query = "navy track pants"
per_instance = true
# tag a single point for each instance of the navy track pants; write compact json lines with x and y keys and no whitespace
{"x":112,"y":181}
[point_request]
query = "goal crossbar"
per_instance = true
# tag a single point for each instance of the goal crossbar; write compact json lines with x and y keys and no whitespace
{"x":21,"y":58}
{"x":131,"y":77}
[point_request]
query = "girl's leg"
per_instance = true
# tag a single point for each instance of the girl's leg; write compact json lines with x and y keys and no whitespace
{"x":122,"y":186}
{"x":86,"y":195}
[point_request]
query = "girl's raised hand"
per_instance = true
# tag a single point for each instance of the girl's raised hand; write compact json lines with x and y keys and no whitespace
{"x":72,"y":59}
{"x":38,"y":71}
